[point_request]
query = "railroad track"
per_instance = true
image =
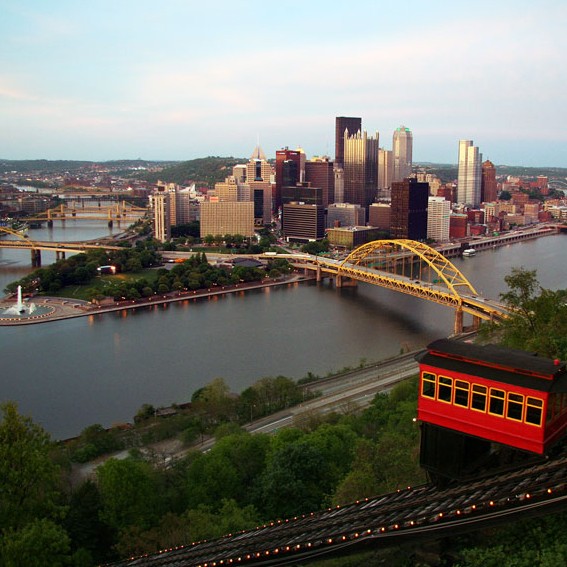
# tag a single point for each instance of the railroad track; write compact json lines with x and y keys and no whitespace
{"x":425,"y":512}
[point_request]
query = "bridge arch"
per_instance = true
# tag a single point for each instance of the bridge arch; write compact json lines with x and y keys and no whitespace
{"x":445,"y":270}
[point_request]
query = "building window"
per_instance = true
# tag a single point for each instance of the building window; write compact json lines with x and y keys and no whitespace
{"x":462,"y":393}
{"x":478,"y":401}
{"x":534,"y":411}
{"x":496,"y":405}
{"x":428,"y":385}
{"x":445,"y":389}
{"x":515,"y":406}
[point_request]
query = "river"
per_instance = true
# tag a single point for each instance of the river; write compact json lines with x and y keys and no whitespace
{"x":101,"y":369}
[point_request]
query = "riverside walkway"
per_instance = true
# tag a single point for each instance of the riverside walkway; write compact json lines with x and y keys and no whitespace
{"x":60,"y":308}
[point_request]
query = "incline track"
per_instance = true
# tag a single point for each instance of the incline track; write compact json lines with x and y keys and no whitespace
{"x":424,"y":512}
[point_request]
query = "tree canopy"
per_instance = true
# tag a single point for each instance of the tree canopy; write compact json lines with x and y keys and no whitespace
{"x":538,"y":316}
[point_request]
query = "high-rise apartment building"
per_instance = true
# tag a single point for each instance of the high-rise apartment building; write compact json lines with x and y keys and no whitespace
{"x":228,"y":217}
{"x":438,"y":219}
{"x":360,"y":168}
{"x":470,"y":174}
{"x":402,"y":148}
{"x":343,"y":123}
{"x":488,"y":185}
{"x":409,"y":209}
{"x":162,"y":220}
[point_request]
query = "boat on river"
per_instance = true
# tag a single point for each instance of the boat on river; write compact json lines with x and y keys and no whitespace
{"x":469,"y":252}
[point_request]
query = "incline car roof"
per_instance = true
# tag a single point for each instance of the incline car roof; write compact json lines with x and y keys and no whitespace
{"x":497,"y":363}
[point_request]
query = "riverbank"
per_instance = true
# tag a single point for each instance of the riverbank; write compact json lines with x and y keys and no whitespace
{"x":59,"y":308}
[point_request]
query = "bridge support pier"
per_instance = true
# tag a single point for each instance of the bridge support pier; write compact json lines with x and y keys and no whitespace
{"x":59,"y":255}
{"x":343,"y":281}
{"x":458,"y":329}
{"x":50,"y":224}
{"x":476,"y":323}
{"x":110,"y":223}
{"x":318,"y":273}
{"x":35,"y":258}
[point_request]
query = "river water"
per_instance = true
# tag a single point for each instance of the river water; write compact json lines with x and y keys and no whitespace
{"x":101,"y":369}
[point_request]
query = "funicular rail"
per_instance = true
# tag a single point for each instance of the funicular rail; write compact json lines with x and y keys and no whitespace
{"x":423,"y":512}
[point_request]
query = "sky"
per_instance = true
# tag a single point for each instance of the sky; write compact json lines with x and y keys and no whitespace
{"x":181,"y":79}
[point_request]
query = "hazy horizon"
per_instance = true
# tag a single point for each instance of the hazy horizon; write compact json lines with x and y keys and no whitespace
{"x":179,"y":80}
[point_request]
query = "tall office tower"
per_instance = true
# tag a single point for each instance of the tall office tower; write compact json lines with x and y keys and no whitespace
{"x":385,"y":169}
{"x":488,"y":185}
{"x":339,"y":174}
{"x":319,"y":172}
{"x":343,"y":123}
{"x":186,"y":206}
{"x":469,"y":176}
{"x":438,"y":219}
{"x":258,"y":174}
{"x":360,"y":168}
{"x":402,"y":147}
{"x":162,"y":220}
{"x":288,"y":171}
{"x":409,"y":209}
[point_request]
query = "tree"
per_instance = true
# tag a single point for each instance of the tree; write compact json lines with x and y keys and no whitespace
{"x":538,"y":316}
{"x":39,"y":543}
{"x":128,"y":492}
{"x":29,"y":478}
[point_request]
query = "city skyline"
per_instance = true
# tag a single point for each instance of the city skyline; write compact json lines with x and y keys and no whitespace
{"x":102,"y":80}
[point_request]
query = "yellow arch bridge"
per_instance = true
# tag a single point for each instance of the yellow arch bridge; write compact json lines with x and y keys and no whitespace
{"x":409,"y":267}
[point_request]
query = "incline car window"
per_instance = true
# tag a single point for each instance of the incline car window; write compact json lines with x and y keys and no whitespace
{"x":515,"y":406}
{"x":462,"y":393}
{"x":428,"y":385}
{"x":478,"y":398}
{"x":496,"y":405}
{"x":534,"y":411}
{"x":445,"y":389}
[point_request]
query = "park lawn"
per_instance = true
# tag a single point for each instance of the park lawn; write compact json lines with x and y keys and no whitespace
{"x":83,"y":292}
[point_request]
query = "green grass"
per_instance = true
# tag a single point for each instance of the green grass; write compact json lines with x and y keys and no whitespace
{"x":101,"y":282}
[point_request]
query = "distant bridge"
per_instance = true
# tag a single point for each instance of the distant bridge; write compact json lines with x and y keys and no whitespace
{"x":112,"y":213}
{"x":409,"y":267}
{"x":60,"y":248}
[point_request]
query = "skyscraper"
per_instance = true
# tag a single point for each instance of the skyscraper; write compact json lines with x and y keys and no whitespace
{"x":469,"y":177}
{"x":319,"y":172}
{"x":343,"y":123}
{"x":385,"y":169}
{"x":288,"y":171}
{"x":409,"y":209}
{"x":360,"y":168}
{"x":402,"y":147}
{"x":488,"y":186}
{"x":258,"y":173}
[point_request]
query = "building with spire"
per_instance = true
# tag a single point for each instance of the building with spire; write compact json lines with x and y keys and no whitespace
{"x":402,"y":148}
{"x":470,"y":174}
{"x":258,"y":177}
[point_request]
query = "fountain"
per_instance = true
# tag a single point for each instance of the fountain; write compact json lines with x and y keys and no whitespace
{"x":20,"y":308}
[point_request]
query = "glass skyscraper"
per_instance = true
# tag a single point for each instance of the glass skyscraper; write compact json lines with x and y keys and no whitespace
{"x":470,"y":174}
